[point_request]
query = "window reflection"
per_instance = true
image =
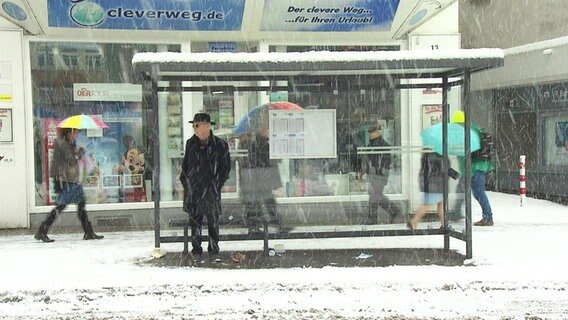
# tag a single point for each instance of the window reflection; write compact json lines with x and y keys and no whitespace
{"x":94,"y":79}
{"x":359,"y":104}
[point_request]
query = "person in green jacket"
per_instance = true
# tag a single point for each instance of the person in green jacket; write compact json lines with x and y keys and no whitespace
{"x":479,"y":169}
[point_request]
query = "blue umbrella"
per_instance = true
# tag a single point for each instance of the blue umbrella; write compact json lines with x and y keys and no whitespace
{"x":244,"y":123}
{"x":432,"y":137}
{"x":251,"y":120}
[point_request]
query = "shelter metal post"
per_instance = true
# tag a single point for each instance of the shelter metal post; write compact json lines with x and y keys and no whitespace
{"x":445,"y":117}
{"x":155,"y":159}
{"x":467,"y":151}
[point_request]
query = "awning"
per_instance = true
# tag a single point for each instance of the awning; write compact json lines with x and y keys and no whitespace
{"x":221,"y":20}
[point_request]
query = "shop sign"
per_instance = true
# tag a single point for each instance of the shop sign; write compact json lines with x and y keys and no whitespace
{"x":339,"y":16}
{"x":202,"y":15}
{"x":222,"y":47}
{"x":107,"y":92}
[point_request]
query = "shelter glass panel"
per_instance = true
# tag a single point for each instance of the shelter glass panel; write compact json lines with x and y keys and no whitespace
{"x":314,"y":184}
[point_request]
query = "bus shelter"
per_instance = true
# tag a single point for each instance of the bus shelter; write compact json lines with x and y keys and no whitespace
{"x":283,"y":73}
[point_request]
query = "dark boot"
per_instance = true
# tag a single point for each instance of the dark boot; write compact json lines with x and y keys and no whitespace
{"x":86,"y":224}
{"x":89,"y":233}
{"x":41,"y":233}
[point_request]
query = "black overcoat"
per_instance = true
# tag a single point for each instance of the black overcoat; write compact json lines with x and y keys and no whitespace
{"x":205,"y":169}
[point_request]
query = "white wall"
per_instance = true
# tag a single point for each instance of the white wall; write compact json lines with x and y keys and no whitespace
{"x":445,"y":22}
{"x":534,"y":63}
{"x":13,"y":172}
{"x":439,"y":33}
{"x":5,"y":24}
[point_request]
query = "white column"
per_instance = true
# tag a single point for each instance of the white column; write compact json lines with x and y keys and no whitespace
{"x":263,"y":97}
{"x":17,"y":162}
{"x":165,"y":161}
{"x":187,"y":98}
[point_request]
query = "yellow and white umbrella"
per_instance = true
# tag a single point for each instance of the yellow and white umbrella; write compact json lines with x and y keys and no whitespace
{"x":82,"y":121}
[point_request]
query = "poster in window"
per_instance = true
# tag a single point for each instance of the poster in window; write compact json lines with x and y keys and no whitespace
{"x":431,"y":115}
{"x":561,"y":129}
{"x":556,"y":142}
{"x":561,"y":138}
{"x":6,"y":132}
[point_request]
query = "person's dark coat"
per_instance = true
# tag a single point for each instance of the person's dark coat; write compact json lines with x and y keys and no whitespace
{"x":65,"y":162}
{"x":205,"y":169}
{"x":431,"y":174}
{"x":379,"y":164}
{"x":259,"y":174}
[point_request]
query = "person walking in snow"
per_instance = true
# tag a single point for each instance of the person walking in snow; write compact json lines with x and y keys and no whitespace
{"x":205,"y":169}
{"x":67,"y":183}
{"x":431,"y":179}
{"x":259,"y":177}
{"x":377,"y":167}
{"x":481,"y":165}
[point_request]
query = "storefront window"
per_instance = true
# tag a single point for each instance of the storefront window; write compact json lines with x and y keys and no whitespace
{"x":556,"y":142}
{"x":93,"y":79}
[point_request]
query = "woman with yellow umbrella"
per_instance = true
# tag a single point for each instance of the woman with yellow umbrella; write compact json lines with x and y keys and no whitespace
{"x":64,"y":168}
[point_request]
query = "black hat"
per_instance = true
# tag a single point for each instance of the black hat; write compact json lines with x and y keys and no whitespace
{"x":373,"y":128}
{"x":202,"y":117}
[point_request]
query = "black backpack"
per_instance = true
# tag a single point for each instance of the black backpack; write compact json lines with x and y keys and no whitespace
{"x":487,"y":146}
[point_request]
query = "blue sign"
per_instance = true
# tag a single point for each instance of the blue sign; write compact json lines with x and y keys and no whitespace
{"x":338,"y":15}
{"x":222,"y":47}
{"x":203,"y":15}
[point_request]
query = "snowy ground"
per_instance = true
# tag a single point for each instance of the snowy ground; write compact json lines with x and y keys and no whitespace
{"x":519,"y":271}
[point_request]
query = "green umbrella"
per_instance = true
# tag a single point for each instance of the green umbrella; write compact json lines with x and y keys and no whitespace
{"x":432,"y":137}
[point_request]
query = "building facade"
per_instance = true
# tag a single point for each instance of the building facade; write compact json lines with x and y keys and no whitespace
{"x":527,"y":99}
{"x":77,"y":60}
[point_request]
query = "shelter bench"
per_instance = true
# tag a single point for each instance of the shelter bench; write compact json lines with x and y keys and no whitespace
{"x":260,"y":231}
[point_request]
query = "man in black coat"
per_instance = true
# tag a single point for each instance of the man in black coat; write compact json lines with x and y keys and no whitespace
{"x":205,"y":169}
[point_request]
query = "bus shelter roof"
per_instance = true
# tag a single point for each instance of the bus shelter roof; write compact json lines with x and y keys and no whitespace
{"x":208,"y":66}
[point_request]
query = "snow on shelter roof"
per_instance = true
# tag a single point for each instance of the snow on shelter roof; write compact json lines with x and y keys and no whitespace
{"x":273,"y":65}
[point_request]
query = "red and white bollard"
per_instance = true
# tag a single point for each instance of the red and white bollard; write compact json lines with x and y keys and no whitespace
{"x":522,"y":179}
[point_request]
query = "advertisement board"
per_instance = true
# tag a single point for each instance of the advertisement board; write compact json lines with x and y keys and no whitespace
{"x":198,"y":15}
{"x":317,"y":16}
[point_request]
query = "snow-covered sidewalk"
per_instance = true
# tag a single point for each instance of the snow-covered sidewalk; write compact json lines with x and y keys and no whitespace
{"x":518,"y":272}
